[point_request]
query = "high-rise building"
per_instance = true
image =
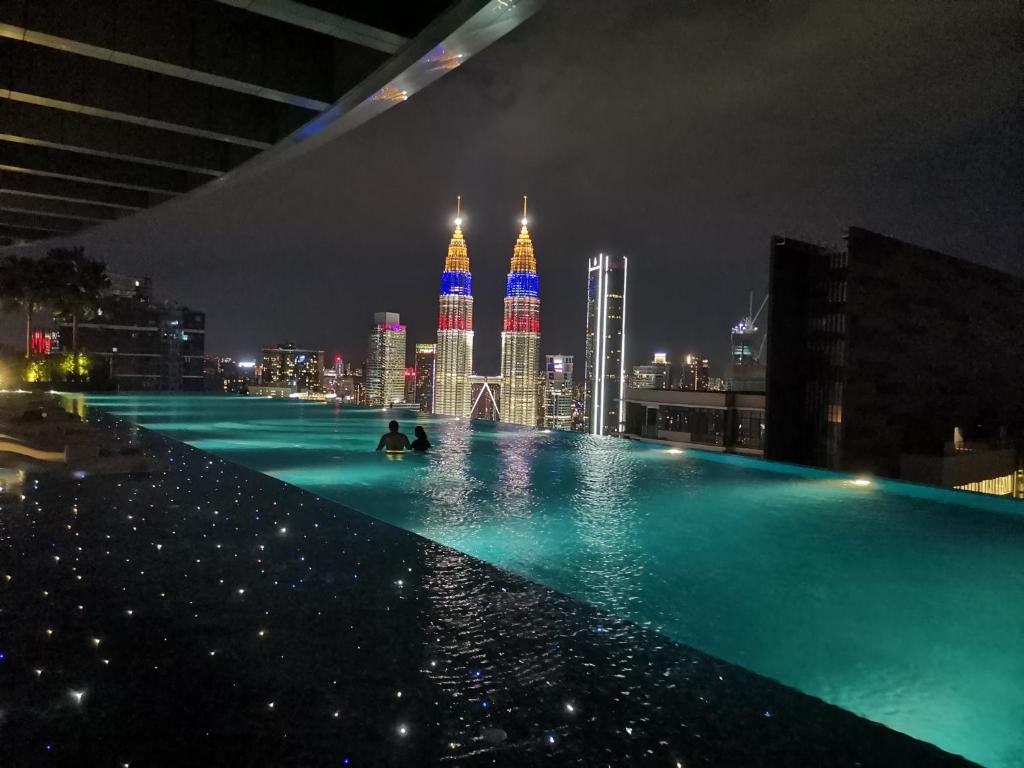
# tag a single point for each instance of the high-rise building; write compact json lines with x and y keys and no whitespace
{"x":861,"y":376}
{"x":426,"y":359}
{"x":486,"y":397}
{"x":746,"y":372}
{"x":654,"y":375}
{"x":454,"y":363}
{"x":138,"y":343}
{"x":226,"y":374}
{"x":696,"y":374}
{"x":558,"y":382}
{"x":410,"y":385}
{"x":385,"y":361}
{"x":520,"y":337}
{"x":605,"y":380}
{"x":286,"y":365}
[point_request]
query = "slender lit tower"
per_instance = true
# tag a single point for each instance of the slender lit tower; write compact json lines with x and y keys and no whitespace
{"x":605,"y":381}
{"x":520,"y":339}
{"x":454,"y":361}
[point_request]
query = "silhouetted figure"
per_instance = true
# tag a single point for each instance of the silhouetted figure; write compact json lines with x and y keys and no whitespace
{"x":394,"y":441}
{"x":421,"y":443}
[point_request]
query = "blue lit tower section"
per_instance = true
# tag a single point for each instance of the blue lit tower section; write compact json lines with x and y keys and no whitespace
{"x":454,"y":362}
{"x":520,"y":337}
{"x":605,"y":379}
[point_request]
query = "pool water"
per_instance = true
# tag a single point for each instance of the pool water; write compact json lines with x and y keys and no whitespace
{"x":900,"y":603}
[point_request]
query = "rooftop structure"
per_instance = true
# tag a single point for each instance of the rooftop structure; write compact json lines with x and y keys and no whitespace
{"x":110,"y":107}
{"x":886,"y":350}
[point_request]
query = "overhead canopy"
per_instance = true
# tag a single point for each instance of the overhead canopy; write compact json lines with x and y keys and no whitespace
{"x":110,"y":107}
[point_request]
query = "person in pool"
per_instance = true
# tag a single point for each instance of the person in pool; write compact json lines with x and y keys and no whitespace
{"x":421,"y":443}
{"x":393,"y":441}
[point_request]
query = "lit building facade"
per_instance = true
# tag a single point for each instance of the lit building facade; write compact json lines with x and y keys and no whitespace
{"x":520,"y":337}
{"x":426,"y":358}
{"x":454,"y":361}
{"x":385,"y":361}
{"x":696,"y":374}
{"x":558,"y":395}
{"x":288,"y":365}
{"x":654,"y":375}
{"x":605,"y":380}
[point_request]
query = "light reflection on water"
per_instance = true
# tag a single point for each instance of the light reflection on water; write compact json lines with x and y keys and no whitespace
{"x":901,"y":606}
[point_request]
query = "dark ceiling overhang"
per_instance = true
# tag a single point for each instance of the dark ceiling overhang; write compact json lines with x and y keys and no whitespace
{"x":110,"y":107}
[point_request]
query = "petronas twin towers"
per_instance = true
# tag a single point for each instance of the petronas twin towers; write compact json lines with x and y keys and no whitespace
{"x":520,"y":336}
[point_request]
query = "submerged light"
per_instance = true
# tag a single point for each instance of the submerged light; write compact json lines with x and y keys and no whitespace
{"x":860,"y":481}
{"x":675,"y":450}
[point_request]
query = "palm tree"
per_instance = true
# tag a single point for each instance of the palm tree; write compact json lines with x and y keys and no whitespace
{"x":23,"y":285}
{"x":77,"y":283}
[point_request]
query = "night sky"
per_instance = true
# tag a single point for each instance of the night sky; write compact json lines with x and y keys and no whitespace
{"x":683,"y":134}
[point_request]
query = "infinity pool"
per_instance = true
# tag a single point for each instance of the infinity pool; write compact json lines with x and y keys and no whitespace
{"x":900,"y":603}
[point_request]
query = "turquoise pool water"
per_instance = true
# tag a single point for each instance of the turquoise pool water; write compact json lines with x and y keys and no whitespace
{"x":900,"y":603}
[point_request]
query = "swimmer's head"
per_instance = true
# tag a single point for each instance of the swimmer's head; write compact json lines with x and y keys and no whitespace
{"x":393,"y":425}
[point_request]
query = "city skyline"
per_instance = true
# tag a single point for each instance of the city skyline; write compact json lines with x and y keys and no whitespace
{"x":932,"y":118}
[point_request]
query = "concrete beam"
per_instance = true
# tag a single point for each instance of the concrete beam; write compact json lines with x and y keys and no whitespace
{"x":324,"y":22}
{"x":39,"y":223}
{"x":45,"y":188}
{"x":52,"y":163}
{"x":85,"y":134}
{"x":12,"y":201}
{"x":14,"y":235}
{"x":61,"y":80}
{"x":59,"y":43}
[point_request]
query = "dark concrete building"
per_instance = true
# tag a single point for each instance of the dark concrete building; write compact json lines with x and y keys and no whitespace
{"x":723,"y":422}
{"x":879,"y":352}
{"x":138,"y":343}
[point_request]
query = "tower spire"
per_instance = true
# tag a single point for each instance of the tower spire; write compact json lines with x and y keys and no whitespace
{"x":524,"y":210}
{"x":458,"y":255}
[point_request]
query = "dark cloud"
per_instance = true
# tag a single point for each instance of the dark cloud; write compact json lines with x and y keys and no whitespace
{"x":681,"y":133}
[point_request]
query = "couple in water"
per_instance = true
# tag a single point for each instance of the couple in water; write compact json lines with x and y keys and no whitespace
{"x":396,"y":442}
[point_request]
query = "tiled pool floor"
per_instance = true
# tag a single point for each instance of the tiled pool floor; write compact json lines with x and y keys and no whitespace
{"x":209,"y":615}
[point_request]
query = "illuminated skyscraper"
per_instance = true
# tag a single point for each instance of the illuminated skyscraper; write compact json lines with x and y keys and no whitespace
{"x":654,"y":375}
{"x":520,"y":337}
{"x":696,"y":373}
{"x":426,"y":356}
{"x":285,"y":365}
{"x":455,"y":329}
{"x":385,"y":361}
{"x":558,"y":392}
{"x":606,"y":344}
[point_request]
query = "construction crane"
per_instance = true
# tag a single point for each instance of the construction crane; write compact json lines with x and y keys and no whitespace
{"x":744,"y":334}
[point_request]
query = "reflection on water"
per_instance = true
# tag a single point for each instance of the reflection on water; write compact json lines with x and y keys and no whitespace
{"x":901,"y":606}
{"x":607,"y":518}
